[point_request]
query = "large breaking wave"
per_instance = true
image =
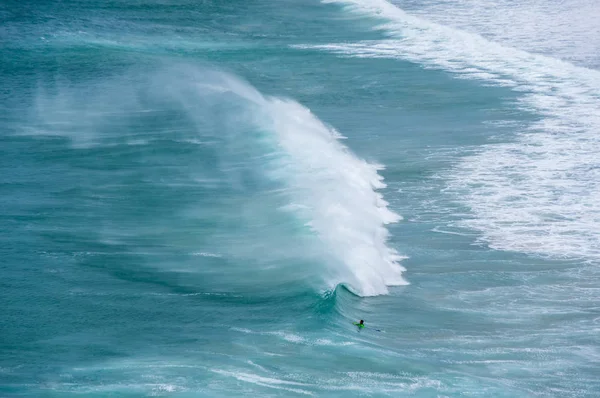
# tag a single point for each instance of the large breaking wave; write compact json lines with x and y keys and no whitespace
{"x":328,"y":190}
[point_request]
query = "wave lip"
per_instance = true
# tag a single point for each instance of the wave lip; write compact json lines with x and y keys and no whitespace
{"x":541,"y":193}
{"x":336,"y":193}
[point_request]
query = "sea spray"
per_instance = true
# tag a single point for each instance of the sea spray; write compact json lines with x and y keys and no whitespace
{"x":287,"y":161}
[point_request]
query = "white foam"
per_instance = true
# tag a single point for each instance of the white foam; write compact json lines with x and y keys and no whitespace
{"x":354,"y":382}
{"x":270,"y":382}
{"x":565,"y":29}
{"x":296,"y":339}
{"x":207,"y":254}
{"x":541,"y":194}
{"x":337,"y":193}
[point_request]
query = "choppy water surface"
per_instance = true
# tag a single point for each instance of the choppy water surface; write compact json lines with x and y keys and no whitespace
{"x":197,"y":199}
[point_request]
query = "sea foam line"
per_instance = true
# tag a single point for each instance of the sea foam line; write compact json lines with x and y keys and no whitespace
{"x":541,"y":193}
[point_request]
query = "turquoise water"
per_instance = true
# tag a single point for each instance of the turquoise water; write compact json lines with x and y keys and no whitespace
{"x":199,"y":198}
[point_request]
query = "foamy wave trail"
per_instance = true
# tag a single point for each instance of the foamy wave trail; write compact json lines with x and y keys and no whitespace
{"x":330,"y":190}
{"x":541,"y":193}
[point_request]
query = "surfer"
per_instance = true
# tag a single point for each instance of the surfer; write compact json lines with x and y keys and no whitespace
{"x":361,"y":324}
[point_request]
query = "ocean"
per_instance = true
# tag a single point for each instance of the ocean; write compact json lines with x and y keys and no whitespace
{"x":199,"y":198}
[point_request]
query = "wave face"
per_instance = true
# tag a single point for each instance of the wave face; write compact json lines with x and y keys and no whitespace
{"x":539,"y":193}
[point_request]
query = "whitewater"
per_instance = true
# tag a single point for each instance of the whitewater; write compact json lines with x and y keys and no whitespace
{"x":198,"y":199}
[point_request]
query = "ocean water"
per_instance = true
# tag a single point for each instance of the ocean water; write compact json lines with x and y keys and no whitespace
{"x":198,"y":198}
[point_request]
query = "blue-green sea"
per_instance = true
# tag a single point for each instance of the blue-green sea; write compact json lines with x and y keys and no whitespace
{"x":199,"y":197}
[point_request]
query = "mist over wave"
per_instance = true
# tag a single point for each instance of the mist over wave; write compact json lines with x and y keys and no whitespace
{"x":291,"y":163}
